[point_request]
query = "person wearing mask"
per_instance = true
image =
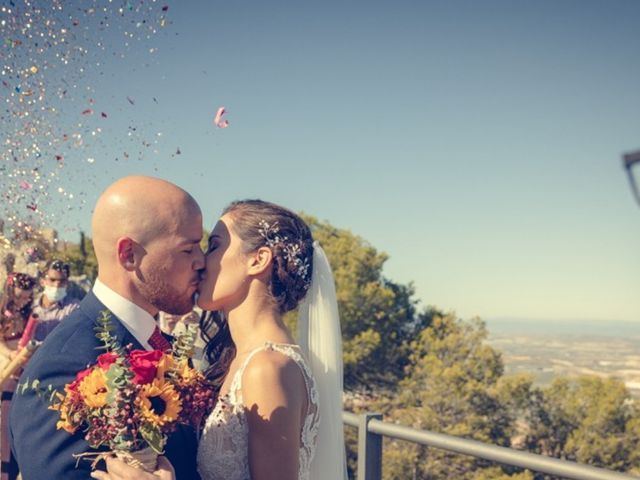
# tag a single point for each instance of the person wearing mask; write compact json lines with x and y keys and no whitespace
{"x":54,"y":303}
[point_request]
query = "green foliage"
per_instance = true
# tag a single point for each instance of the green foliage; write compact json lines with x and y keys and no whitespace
{"x":153,"y":436}
{"x":80,"y":256}
{"x":183,"y":341}
{"x":378,"y":317}
{"x":514,"y":394}
{"x":496,"y":473}
{"x":118,"y":377}
{"x":451,"y":386}
{"x":104,"y":331}
{"x":48,"y":394}
{"x":588,"y":419}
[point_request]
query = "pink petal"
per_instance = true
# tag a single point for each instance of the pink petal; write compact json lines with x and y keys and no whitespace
{"x":218,"y":119}
{"x":25,"y":185}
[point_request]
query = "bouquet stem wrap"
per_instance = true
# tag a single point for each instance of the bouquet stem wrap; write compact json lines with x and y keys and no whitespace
{"x":145,"y":459}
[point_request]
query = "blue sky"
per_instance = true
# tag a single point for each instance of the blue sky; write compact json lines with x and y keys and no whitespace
{"x":477,"y":143}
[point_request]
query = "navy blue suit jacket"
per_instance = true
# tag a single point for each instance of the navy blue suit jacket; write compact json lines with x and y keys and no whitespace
{"x":44,"y":452}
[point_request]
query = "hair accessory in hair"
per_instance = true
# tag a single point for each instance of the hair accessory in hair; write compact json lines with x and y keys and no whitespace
{"x":292,"y":250}
{"x":20,"y":280}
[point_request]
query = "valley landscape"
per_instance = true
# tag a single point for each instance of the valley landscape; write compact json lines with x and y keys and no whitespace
{"x":553,"y":349}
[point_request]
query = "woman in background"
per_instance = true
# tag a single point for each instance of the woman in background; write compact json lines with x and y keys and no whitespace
{"x":15,"y":310}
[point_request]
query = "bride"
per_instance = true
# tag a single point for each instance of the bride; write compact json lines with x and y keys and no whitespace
{"x":278,"y":414}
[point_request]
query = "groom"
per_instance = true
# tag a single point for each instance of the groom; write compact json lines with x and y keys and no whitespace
{"x":146,"y":236}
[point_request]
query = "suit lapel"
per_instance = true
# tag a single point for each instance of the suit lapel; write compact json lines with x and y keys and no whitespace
{"x":93,"y":308}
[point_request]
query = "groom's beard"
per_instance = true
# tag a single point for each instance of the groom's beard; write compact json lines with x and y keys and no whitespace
{"x":164,"y":296}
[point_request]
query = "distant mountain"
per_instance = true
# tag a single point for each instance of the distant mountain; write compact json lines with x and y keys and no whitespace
{"x":600,"y":328}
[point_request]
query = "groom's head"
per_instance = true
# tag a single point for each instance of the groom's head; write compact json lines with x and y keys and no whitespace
{"x":146,"y":235}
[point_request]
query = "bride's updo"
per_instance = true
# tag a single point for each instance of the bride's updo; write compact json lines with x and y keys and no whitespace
{"x":258,"y":224}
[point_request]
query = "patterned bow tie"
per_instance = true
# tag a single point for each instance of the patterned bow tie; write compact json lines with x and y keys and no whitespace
{"x":158,"y":342}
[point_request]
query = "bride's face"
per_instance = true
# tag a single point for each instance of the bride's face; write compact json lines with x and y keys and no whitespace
{"x":224,"y":283}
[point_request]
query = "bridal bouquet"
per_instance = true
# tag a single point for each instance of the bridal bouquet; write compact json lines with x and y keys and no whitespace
{"x":130,"y":400}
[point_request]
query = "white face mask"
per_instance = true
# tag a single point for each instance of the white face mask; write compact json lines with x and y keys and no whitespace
{"x":55,"y":294}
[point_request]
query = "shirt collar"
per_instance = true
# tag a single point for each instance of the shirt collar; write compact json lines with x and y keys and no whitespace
{"x":135,"y":319}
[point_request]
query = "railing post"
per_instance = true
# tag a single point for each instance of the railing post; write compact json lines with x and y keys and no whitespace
{"x":369,"y":449}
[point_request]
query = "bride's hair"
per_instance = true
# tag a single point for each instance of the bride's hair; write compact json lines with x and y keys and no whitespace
{"x":259,"y":224}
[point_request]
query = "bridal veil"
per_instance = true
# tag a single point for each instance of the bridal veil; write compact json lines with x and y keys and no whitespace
{"x":320,"y":338}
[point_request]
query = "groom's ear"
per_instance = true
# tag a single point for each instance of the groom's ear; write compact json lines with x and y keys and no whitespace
{"x":260,"y":261}
{"x":126,"y":248}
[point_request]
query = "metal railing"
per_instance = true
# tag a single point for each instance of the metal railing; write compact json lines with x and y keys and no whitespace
{"x":371,"y":429}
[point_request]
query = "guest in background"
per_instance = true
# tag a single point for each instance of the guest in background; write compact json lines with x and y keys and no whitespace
{"x":54,"y":303}
{"x":177,"y":324}
{"x":15,"y":310}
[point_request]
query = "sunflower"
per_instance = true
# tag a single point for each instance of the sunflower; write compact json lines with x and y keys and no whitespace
{"x":93,"y":388}
{"x":159,"y":403}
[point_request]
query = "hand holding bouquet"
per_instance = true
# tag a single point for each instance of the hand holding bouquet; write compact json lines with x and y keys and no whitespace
{"x":131,"y":400}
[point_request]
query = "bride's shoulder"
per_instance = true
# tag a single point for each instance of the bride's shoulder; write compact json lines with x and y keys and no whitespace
{"x":271,"y":373}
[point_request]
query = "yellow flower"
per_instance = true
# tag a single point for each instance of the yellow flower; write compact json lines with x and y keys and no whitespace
{"x":93,"y":388}
{"x":159,"y":402}
{"x":187,"y":374}
{"x":165,"y":364}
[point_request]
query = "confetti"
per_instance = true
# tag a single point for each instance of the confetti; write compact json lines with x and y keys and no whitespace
{"x":51,"y":53}
{"x":218,"y":119}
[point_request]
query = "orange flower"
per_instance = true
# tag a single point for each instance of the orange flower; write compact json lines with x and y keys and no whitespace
{"x":64,"y":423}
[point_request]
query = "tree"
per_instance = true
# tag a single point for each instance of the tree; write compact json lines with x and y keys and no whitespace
{"x":589,"y":420}
{"x":378,"y":317}
{"x":80,"y":256}
{"x":452,"y":386}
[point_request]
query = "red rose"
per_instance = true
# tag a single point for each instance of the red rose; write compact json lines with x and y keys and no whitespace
{"x":106,"y":359}
{"x":144,"y":364}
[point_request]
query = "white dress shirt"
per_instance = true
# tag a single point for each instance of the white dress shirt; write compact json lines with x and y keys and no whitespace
{"x":135,"y":319}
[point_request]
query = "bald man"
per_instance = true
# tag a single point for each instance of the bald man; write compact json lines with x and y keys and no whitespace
{"x":146,"y":235}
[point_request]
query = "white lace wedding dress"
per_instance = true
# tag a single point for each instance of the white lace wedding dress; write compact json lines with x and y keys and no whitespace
{"x":223,"y":448}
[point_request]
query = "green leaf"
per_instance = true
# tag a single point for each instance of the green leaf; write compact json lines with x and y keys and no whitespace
{"x":154,"y":437}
